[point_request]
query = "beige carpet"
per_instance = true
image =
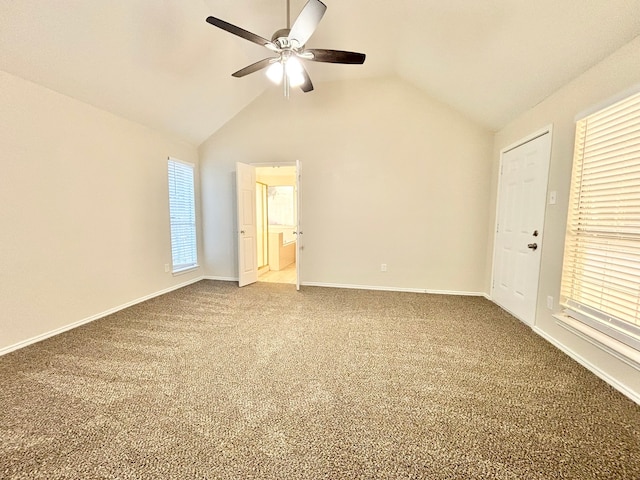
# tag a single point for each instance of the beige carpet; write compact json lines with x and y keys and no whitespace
{"x":217,"y":382}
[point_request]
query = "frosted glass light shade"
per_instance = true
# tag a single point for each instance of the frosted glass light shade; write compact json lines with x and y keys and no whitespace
{"x":293,"y":68}
{"x":274,"y":72}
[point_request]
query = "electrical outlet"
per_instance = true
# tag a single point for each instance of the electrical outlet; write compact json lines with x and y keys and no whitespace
{"x":166,"y":268}
{"x":550,"y":302}
{"x":383,"y":267}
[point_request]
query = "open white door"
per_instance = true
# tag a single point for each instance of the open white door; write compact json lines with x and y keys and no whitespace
{"x":299,"y":232}
{"x":520,"y":226}
{"x":247,"y":242}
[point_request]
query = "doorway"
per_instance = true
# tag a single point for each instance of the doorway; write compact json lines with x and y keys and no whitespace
{"x":278,"y":201}
{"x":522,"y":193}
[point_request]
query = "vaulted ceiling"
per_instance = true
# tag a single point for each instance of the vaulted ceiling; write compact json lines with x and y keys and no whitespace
{"x":157,"y":62}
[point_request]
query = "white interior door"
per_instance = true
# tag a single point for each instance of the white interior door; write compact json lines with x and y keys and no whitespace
{"x":520,"y":226}
{"x":247,"y":241}
{"x":299,"y":234}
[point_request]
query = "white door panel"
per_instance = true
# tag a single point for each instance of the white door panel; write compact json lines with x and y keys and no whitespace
{"x":247,"y":240}
{"x":521,"y":208}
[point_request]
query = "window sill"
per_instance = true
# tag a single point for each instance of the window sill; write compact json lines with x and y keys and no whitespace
{"x":623,"y":352}
{"x":184,"y":270}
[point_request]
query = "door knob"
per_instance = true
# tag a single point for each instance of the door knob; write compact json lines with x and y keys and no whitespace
{"x":242,"y":232}
{"x":533,"y":246}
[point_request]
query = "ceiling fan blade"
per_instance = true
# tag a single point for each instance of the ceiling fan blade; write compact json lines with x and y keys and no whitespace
{"x":335,"y":56}
{"x":241,"y":32}
{"x":307,"y":86}
{"x":254,"y":67}
{"x":307,"y":21}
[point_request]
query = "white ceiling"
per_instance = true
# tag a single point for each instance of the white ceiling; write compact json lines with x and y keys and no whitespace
{"x":159,"y":63}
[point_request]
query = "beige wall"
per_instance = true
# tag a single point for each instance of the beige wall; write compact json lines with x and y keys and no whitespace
{"x":615,"y":74}
{"x":83,"y":211}
{"x":388,"y":176}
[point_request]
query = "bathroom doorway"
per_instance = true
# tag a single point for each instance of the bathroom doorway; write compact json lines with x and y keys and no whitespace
{"x":277,"y":223}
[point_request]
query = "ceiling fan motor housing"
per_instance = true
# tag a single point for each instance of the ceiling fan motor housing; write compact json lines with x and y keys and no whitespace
{"x":282,"y":33}
{"x":282,"y":40}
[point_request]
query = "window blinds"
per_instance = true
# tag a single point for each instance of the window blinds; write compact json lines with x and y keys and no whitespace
{"x":182,"y":212}
{"x":601,"y":270}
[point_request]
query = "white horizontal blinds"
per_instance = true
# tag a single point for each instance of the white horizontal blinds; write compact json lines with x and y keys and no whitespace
{"x":601,"y":271}
{"x":183,"y":215}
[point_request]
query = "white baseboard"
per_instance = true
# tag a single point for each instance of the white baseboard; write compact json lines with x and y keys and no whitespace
{"x":627,"y":392}
{"x":71,"y":326}
{"x":391,"y":289}
{"x":370,"y":287}
{"x":224,"y":279}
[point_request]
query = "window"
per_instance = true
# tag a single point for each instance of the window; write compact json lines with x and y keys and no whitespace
{"x":601,"y":270}
{"x":182,"y":211}
{"x":281,"y":205}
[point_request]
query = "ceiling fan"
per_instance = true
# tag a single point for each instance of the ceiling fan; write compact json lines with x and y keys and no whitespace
{"x":288,"y":45}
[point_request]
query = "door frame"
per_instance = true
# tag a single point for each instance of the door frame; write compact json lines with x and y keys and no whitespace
{"x":298,"y":165}
{"x":545,"y":130}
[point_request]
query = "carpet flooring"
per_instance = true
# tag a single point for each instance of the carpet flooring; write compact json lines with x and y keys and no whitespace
{"x":216,"y":382}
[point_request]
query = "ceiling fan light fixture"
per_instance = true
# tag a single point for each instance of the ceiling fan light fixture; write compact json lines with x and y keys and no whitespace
{"x":296,"y":79}
{"x":289,"y":45}
{"x":293,"y":67}
{"x":274,"y":72}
